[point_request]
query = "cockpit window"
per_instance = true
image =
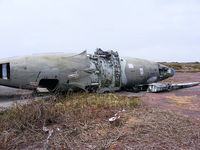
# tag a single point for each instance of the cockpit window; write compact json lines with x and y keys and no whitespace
{"x":5,"y":71}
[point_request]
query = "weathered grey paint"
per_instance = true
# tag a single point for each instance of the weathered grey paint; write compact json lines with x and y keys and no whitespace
{"x":138,"y":71}
{"x":34,"y":68}
{"x":104,"y":71}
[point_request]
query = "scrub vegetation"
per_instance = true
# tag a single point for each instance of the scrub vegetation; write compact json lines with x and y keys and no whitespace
{"x":23,"y":125}
{"x":81,"y":121}
{"x":184,"y":67}
{"x":197,"y":66}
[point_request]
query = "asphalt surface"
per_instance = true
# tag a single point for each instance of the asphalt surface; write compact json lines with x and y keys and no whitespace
{"x":10,"y":96}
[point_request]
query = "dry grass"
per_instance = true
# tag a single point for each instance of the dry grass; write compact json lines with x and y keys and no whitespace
{"x":81,"y":122}
{"x":161,"y":130}
{"x":22,"y":125}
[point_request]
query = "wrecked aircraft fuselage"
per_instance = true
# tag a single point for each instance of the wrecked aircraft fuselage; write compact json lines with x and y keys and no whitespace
{"x":104,"y":71}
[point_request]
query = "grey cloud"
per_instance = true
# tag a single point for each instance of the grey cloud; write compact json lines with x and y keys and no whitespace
{"x":162,"y":30}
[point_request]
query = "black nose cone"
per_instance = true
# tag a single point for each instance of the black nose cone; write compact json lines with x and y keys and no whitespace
{"x":170,"y":72}
{"x":165,"y":72}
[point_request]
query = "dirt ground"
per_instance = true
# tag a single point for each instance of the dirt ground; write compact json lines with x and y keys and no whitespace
{"x":184,"y":101}
{"x":159,"y":123}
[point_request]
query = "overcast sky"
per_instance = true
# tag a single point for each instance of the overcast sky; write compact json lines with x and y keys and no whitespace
{"x":158,"y":30}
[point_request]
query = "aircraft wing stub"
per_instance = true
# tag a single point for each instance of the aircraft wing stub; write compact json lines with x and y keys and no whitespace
{"x":163,"y":87}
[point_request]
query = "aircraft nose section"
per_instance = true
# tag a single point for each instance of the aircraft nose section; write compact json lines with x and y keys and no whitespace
{"x":165,"y":72}
{"x":170,"y":72}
